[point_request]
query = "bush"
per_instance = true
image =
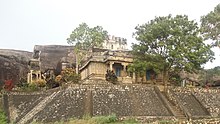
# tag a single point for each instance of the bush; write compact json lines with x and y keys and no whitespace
{"x":32,"y":87}
{"x":111,"y":77}
{"x":51,"y":83}
{"x":8,"y":85}
{"x":40,"y":82}
{"x":3,"y":119}
{"x":67,"y":75}
{"x":105,"y":119}
{"x":22,"y":83}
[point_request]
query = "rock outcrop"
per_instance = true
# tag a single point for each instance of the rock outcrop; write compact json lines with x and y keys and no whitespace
{"x":52,"y":55}
{"x":13,"y":64}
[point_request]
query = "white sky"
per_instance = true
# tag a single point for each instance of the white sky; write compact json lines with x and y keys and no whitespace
{"x":25,"y":23}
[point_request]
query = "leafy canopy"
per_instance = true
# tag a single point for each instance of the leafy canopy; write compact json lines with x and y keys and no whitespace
{"x":170,"y":44}
{"x":85,"y":37}
{"x":211,"y":25}
{"x":210,"y":75}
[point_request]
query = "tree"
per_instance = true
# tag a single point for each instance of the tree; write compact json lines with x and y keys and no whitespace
{"x":210,"y":75}
{"x":83,"y":38}
{"x":170,"y":45}
{"x":210,"y":26}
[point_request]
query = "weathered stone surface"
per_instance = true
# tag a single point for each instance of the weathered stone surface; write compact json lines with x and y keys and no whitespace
{"x":22,"y":104}
{"x":51,"y":55}
{"x":208,"y":98}
{"x":128,"y":100}
{"x":68,"y":103}
{"x":13,"y":64}
{"x":79,"y":100}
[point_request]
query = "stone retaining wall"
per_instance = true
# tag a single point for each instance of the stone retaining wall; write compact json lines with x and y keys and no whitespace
{"x":209,"y":98}
{"x":80,"y":100}
{"x":104,"y":99}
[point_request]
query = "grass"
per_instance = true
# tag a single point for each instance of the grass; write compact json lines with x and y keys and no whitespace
{"x":111,"y":119}
{"x":3,"y":119}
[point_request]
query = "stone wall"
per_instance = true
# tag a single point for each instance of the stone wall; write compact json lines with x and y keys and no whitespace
{"x":210,"y":98}
{"x":103,"y":99}
{"x":192,"y":98}
{"x":80,"y":100}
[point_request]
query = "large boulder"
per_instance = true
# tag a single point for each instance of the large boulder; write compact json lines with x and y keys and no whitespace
{"x":51,"y":56}
{"x":13,"y":64}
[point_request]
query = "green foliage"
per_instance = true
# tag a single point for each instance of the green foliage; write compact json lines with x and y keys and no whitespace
{"x":68,"y":75}
{"x":40,"y":82}
{"x":29,"y":87}
{"x":111,"y":119}
{"x":176,"y":79}
{"x":32,"y":87}
{"x":105,"y":119}
{"x":210,"y":26}
{"x":85,"y":37}
{"x":210,"y":75}
{"x":22,"y":82}
{"x":167,"y":122}
{"x":52,"y":83}
{"x":3,"y":119}
{"x":170,"y":45}
{"x":111,"y":77}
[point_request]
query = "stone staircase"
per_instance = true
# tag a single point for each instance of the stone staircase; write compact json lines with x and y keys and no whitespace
{"x":179,"y":114}
{"x":39,"y":107}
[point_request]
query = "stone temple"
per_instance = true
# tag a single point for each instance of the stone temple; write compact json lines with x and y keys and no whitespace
{"x":113,"y":56}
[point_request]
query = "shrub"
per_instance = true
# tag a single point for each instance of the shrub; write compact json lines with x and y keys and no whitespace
{"x":3,"y":119}
{"x":111,"y":77}
{"x":67,"y":75}
{"x":32,"y":87}
{"x":8,"y":85}
{"x":105,"y":119}
{"x":58,"y":78}
{"x":22,"y":83}
{"x":51,"y":83}
{"x":40,"y":82}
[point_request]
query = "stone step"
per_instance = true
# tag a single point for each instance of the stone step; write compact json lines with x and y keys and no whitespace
{"x":178,"y":113}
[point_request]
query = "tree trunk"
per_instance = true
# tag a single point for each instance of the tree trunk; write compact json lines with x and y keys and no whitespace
{"x":77,"y":60}
{"x":165,"y":77}
{"x":136,"y":77}
{"x":77,"y":64}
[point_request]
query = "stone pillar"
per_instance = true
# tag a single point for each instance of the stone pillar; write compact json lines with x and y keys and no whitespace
{"x":111,"y":66}
{"x":31,"y":76}
{"x":134,"y":78}
{"x":124,"y":72}
{"x":28,"y":78}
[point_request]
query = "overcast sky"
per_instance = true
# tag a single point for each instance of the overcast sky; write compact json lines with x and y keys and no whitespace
{"x":25,"y":23}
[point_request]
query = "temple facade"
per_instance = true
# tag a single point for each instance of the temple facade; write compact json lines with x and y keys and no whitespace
{"x":99,"y":62}
{"x":115,"y":43}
